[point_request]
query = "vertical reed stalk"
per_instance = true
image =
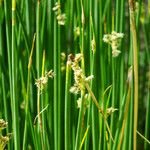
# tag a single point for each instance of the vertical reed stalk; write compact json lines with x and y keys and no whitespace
{"x":56,"y":57}
{"x":14,"y":81}
{"x":135,"y":66}
{"x":67,"y":108}
{"x":27,"y":94}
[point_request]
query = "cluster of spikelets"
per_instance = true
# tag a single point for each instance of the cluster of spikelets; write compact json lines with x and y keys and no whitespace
{"x":114,"y":39}
{"x":63,"y":61}
{"x":81,"y":84}
{"x":42,"y":82}
{"x":93,"y":45}
{"x":79,"y":76}
{"x":61,"y":17}
{"x":3,"y":139}
{"x":80,"y":80}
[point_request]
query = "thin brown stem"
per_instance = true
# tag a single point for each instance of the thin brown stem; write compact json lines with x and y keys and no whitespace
{"x":125,"y":116}
{"x":135,"y":64}
{"x":144,"y":138}
{"x":99,"y":108}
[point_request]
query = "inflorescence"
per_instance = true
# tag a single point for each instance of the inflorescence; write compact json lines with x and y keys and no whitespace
{"x":4,"y":139}
{"x":3,"y":124}
{"x":42,"y":82}
{"x":61,"y":17}
{"x":114,"y":39}
{"x":79,"y":76}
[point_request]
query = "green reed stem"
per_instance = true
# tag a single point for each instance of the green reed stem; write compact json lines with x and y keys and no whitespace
{"x":27,"y":94}
{"x":68,"y":108}
{"x":14,"y":81}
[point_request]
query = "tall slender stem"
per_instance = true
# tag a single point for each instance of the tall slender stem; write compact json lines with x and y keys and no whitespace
{"x":14,"y":81}
{"x":135,"y":65}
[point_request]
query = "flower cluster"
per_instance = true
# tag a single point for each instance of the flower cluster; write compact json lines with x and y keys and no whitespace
{"x":79,"y":76}
{"x":63,"y":61}
{"x":42,"y":82}
{"x":86,"y":102}
{"x":4,"y":139}
{"x":110,"y":110}
{"x":93,"y":45}
{"x":3,"y":124}
{"x":61,"y":18}
{"x":114,"y":39}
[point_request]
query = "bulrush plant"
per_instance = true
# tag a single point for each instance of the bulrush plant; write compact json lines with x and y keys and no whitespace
{"x":82,"y":83}
{"x":91,"y":98}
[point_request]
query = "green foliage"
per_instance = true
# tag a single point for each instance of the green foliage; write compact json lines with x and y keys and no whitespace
{"x":73,"y":110}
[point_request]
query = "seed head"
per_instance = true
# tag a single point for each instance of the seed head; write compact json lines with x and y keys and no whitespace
{"x":79,"y":76}
{"x":93,"y":45}
{"x":78,"y":58}
{"x":63,"y":56}
{"x":89,"y":78}
{"x":79,"y":101}
{"x":115,"y":36}
{"x":107,"y":38}
{"x":114,"y":39}
{"x":3,"y":124}
{"x":42,"y":82}
{"x":115,"y":52}
{"x":56,"y":7}
{"x":61,"y":18}
{"x":63,"y":61}
{"x":4,"y":140}
{"x":49,"y":74}
{"x":74,"y":89}
{"x":110,"y":111}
